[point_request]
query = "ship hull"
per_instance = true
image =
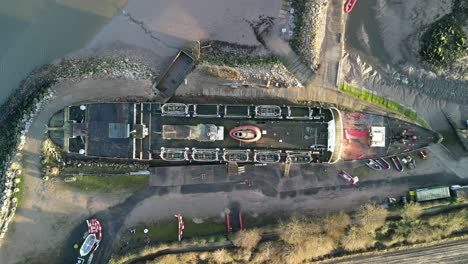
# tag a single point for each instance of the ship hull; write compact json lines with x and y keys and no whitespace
{"x":184,"y":134}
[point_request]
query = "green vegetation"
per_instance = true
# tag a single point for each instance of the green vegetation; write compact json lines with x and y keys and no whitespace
{"x":302,"y":239}
{"x":411,"y":211}
{"x":166,"y":231}
{"x":93,"y":170}
{"x":444,"y":41}
{"x":379,"y":100}
{"x":423,"y":229}
{"x":109,"y":184}
{"x":296,"y":41}
{"x":11,"y":121}
{"x":20,"y":194}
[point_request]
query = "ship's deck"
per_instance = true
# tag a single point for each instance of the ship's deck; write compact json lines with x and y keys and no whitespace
{"x":356,"y":141}
{"x":98,"y":142}
{"x":276,"y":134}
{"x":117,"y":130}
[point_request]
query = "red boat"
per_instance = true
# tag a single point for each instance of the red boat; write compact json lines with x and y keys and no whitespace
{"x":349,"y":6}
{"x":348,"y":178}
{"x":373,"y":165}
{"x":246,"y":134}
{"x":397,"y":163}
{"x":382,"y":163}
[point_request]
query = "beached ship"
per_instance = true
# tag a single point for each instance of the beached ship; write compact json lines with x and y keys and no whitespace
{"x":177,"y":134}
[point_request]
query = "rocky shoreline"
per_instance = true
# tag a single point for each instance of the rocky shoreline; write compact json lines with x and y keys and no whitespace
{"x":34,"y":92}
{"x":310,"y":30}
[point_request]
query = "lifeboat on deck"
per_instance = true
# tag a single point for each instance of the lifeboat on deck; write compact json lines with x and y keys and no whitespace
{"x":246,"y":134}
{"x":349,"y":6}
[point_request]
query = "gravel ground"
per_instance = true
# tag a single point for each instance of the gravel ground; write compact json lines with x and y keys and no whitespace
{"x":262,"y":76}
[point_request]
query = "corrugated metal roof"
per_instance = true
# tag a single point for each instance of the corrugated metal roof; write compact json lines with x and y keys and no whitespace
{"x":432,"y":193}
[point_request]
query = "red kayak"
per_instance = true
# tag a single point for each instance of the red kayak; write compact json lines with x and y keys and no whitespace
{"x":349,"y":6}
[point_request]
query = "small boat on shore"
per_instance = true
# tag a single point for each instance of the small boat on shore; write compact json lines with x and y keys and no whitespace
{"x":373,"y":165}
{"x":88,"y":245}
{"x":247,"y":134}
{"x":397,"y":163}
{"x":349,"y":6}
{"x":348,"y":177}
{"x":382,"y":163}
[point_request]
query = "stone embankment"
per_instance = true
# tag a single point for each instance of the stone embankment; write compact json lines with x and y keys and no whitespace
{"x":19,"y":110}
{"x":275,"y":75}
{"x":310,"y":30}
{"x":245,"y":65}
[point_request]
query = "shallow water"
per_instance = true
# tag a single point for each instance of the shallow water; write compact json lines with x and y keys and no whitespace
{"x":364,"y":15}
{"x":36,"y":32}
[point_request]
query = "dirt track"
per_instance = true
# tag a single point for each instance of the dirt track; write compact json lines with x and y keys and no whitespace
{"x":450,"y":252}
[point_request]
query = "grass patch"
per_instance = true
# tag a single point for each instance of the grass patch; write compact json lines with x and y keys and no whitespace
{"x":259,"y":221}
{"x":165,"y":231}
{"x":20,"y":194}
{"x":109,"y":184}
{"x":379,"y":100}
{"x":96,"y":170}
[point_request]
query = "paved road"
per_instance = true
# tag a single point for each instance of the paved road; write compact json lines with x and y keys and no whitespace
{"x":332,"y":47}
{"x":450,"y":252}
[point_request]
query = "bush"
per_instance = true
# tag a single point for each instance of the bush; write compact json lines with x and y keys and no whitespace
{"x":166,"y":259}
{"x":268,"y":252}
{"x":422,"y":232}
{"x":297,"y":230}
{"x":222,"y":256}
{"x":315,"y":246}
{"x":247,"y":239}
{"x":188,"y":258}
{"x":371,"y":217}
{"x":444,"y":41}
{"x":411,"y":211}
{"x":335,"y":224}
{"x":357,"y":239}
{"x":450,"y":222}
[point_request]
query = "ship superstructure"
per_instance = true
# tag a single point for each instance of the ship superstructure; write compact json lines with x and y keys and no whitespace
{"x":177,"y":133}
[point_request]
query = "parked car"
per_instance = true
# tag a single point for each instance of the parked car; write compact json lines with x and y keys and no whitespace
{"x":409,"y":161}
{"x":404,"y":200}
